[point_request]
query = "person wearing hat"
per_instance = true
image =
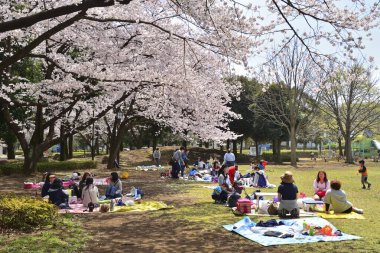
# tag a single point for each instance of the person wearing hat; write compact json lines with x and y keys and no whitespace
{"x":287,"y":196}
{"x":364,"y":171}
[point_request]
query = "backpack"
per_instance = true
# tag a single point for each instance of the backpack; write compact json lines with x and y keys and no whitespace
{"x":233,"y":199}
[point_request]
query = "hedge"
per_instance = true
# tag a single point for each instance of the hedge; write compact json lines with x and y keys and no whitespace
{"x":71,"y":165}
{"x":25,"y":213}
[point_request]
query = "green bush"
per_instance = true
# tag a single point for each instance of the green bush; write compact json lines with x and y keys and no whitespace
{"x":25,"y":213}
{"x":70,"y":165}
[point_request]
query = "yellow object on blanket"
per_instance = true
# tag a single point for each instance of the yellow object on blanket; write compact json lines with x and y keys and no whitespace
{"x":143,"y":206}
{"x":124,"y":175}
{"x":351,"y":215}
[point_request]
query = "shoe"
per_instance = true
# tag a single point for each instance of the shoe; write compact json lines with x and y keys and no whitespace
{"x":359,"y":211}
{"x":363,"y":188}
{"x":369,"y":186}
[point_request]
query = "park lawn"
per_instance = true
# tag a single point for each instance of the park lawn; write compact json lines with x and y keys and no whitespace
{"x":213,"y":216}
{"x":68,"y":237}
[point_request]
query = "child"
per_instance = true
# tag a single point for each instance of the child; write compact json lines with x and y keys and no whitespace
{"x":364,"y":171}
{"x":287,"y":196}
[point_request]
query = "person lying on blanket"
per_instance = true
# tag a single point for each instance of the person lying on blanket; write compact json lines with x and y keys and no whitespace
{"x":337,"y":198}
{"x":114,"y":188}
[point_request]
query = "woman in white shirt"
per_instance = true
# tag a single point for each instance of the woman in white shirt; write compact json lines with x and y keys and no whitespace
{"x":90,"y":193}
{"x":321,"y":185}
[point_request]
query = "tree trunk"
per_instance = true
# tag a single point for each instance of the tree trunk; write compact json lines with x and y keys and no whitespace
{"x":228,"y":144}
{"x":234,"y":146}
{"x":200,"y":143}
{"x":70,"y":147}
{"x":293,"y":146}
{"x":31,"y":158}
{"x":241,"y":145}
{"x":257,"y":148}
{"x":97,"y":146}
{"x":278,"y":147}
{"x":63,"y":145}
{"x":115,"y":143}
{"x":221,"y":147}
{"x":207,"y":144}
{"x":348,"y":150}
{"x":340,"y":147}
{"x":10,"y":150}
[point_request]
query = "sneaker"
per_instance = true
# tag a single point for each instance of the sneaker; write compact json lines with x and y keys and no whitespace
{"x":369,"y":186}
{"x":359,"y":211}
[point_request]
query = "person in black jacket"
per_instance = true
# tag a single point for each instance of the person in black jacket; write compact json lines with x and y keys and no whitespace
{"x":48,"y":179}
{"x":57,"y":196}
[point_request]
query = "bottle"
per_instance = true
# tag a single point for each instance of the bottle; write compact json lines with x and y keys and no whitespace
{"x":304,"y":225}
{"x":311,"y":231}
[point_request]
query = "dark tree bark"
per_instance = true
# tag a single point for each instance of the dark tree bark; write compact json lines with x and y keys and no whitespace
{"x":234,"y":146}
{"x":241,"y":145}
{"x":10,"y":150}
{"x":70,"y":147}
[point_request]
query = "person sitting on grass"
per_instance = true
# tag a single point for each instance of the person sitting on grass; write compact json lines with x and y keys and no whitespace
{"x":57,"y":196}
{"x":321,"y":185}
{"x":287,"y":196}
{"x":114,"y":188}
{"x":82,"y":183}
{"x":48,"y":180}
{"x":90,"y":193}
{"x":337,"y":198}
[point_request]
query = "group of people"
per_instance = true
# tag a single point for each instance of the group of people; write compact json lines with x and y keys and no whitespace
{"x":180,"y":161}
{"x":330,"y":192}
{"x":85,"y":189}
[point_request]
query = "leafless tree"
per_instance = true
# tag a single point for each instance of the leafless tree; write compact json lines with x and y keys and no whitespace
{"x":290,"y":99}
{"x":352,"y":99}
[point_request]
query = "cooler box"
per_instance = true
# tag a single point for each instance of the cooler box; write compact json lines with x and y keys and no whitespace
{"x":244,"y":205}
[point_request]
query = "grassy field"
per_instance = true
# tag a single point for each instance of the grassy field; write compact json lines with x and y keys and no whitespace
{"x":195,"y":219}
{"x":214,"y":216}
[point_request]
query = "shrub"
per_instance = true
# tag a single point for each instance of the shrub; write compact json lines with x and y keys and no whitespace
{"x":25,"y":213}
{"x":70,"y":165}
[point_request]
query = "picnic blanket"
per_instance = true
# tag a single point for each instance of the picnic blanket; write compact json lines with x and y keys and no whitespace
{"x":247,"y":229}
{"x":140,"y":207}
{"x":256,"y":214}
{"x":149,"y":167}
{"x":351,"y":215}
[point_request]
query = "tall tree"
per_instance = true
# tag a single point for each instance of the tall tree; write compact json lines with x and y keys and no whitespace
{"x":351,"y":97}
{"x":291,"y":102}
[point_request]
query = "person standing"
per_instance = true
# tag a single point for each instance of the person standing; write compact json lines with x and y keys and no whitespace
{"x":364,"y":171}
{"x":185,"y":163}
{"x":177,"y":162}
{"x":157,"y":156}
{"x":229,"y":158}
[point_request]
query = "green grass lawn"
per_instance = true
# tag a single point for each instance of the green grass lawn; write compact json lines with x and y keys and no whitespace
{"x":214,"y":216}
